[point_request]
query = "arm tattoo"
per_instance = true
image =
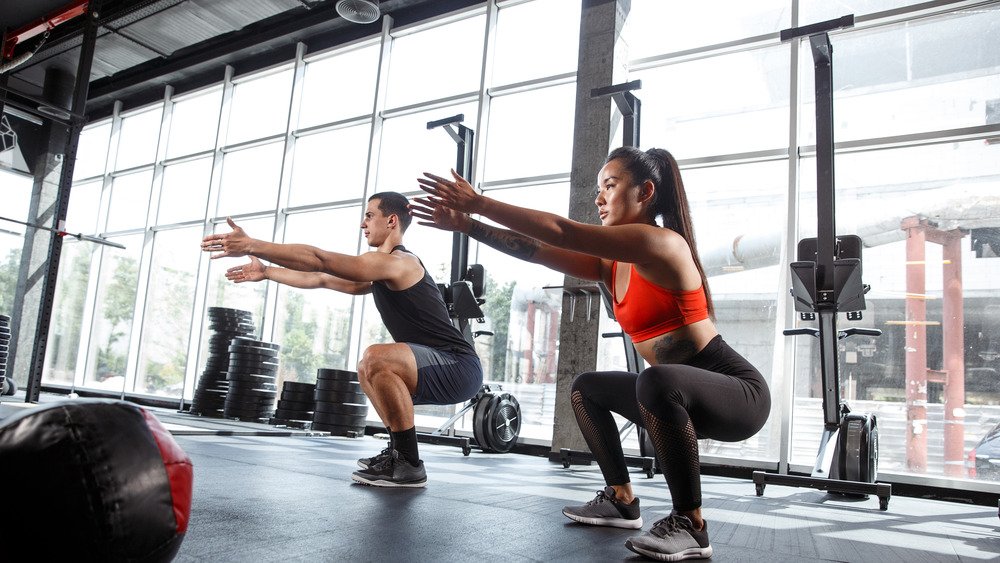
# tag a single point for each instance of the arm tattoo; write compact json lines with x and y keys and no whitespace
{"x":508,"y":242}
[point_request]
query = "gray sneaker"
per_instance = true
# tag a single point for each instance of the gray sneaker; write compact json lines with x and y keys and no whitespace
{"x":393,"y":471}
{"x":672,"y":539}
{"x":366,"y":462}
{"x":606,"y":510}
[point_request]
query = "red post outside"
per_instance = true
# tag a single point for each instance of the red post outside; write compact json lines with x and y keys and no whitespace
{"x":954,"y":356}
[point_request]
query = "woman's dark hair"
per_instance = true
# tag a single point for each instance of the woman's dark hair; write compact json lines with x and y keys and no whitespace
{"x":669,"y":198}
{"x":394,"y":203}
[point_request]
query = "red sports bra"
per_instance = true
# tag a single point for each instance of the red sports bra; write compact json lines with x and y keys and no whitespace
{"x":648,"y":310}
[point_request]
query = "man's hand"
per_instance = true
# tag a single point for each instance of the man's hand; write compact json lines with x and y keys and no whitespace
{"x":439,"y":216}
{"x":457,"y":194}
{"x":250,"y":272}
{"x":232,"y":244}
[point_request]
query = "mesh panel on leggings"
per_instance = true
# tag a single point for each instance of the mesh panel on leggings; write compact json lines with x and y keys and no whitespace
{"x":677,"y":451}
{"x":615,"y":473}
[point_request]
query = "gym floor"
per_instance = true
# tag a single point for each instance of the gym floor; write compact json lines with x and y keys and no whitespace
{"x":269,"y":494}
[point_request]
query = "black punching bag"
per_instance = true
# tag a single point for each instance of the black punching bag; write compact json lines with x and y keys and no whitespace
{"x":92,"y":480}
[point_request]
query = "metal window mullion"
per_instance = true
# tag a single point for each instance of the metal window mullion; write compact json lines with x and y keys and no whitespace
{"x":371,"y":173}
{"x":211,"y":204}
{"x":146,"y":257}
{"x":270,"y":315}
{"x":783,"y":357}
{"x":482,"y":121}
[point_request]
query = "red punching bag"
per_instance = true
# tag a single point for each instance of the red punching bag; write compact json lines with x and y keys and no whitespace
{"x":93,"y":480}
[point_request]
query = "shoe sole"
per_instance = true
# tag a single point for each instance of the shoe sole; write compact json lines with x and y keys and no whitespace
{"x":384,"y":483}
{"x":613,"y":522}
{"x":692,"y":553}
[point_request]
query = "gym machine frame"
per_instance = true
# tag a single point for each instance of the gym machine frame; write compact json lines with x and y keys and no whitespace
{"x":463,"y":297}
{"x":826,"y":280}
{"x":630,"y":107}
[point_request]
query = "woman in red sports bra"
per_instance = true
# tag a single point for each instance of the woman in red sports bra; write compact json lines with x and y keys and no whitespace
{"x":696,"y":385}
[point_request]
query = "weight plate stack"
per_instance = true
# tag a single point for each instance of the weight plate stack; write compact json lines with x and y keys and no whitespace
{"x":296,"y":404}
{"x":341,"y":407}
{"x":252,"y":375}
{"x":213,"y":386}
{"x":7,"y":386}
{"x":496,"y":422}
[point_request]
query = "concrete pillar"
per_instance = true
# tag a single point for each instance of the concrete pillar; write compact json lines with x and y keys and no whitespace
{"x":602,"y":62}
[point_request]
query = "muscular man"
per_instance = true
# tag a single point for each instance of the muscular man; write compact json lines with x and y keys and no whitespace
{"x":429,"y":363}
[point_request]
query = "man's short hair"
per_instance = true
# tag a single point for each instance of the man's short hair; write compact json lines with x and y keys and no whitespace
{"x":394,"y":203}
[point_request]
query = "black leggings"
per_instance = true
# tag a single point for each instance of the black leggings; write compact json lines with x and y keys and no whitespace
{"x":717,"y":394}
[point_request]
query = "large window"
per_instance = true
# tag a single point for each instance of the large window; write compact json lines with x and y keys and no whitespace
{"x":191,"y":119}
{"x":916,"y":107}
{"x":166,"y":324}
{"x":114,"y":311}
{"x":339,"y":87}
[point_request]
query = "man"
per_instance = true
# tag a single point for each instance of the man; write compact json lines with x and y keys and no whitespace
{"x":430,"y":361}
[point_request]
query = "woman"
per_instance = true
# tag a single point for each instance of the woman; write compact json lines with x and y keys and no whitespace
{"x":697,"y":386}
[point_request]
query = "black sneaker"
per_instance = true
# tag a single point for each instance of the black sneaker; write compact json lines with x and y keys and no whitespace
{"x":672,"y":539}
{"x":366,"y":462}
{"x":606,"y":510}
{"x":393,"y":471}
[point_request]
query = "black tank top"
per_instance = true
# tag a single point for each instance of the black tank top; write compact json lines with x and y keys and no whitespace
{"x":418,"y":314}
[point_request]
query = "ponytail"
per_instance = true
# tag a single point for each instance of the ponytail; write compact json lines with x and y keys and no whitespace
{"x":669,"y":198}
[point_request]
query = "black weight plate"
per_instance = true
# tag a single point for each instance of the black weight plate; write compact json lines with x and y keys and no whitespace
{"x":257,"y":388}
{"x":256,"y":343}
{"x":247,"y":393}
{"x":293,"y":415}
{"x":329,"y":385}
{"x":296,"y":405}
{"x":245,"y":378}
{"x":330,"y":396}
{"x":504,"y":417}
{"x":246,"y":371}
{"x":251,"y":368}
{"x":247,"y":411}
{"x":339,"y":419}
{"x":298,"y":386}
{"x":251,"y":356}
{"x":479,"y":413}
{"x":297,"y":396}
{"x":336,"y":374}
{"x":337,"y":430}
{"x":11,"y":386}
{"x":351,"y":409}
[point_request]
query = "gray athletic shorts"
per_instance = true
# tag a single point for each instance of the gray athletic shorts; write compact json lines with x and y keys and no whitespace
{"x":445,"y":378}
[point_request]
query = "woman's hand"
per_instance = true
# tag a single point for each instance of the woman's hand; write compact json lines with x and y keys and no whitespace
{"x":232,"y":244}
{"x":250,"y":272}
{"x":458,"y":194}
{"x":435,"y":215}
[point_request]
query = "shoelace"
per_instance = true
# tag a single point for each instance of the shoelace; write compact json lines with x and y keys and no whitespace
{"x":601,"y":497}
{"x":387,"y":461}
{"x":667,"y":526}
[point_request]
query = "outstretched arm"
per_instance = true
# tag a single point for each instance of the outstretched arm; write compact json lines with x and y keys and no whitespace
{"x":577,"y":264}
{"x":255,"y":271}
{"x":634,"y":243}
{"x":368,"y":267}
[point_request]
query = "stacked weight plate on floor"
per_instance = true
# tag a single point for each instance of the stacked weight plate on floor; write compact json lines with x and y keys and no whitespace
{"x":253,"y":370}
{"x":295,"y":405}
{"x":341,"y":406}
{"x":496,"y":420}
{"x":225,"y":324}
{"x":7,"y":386}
